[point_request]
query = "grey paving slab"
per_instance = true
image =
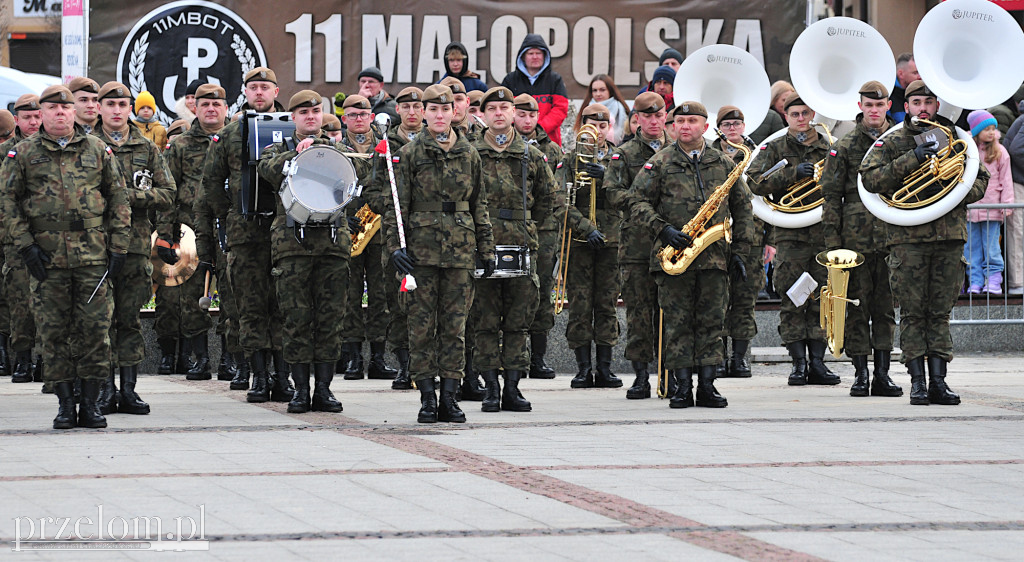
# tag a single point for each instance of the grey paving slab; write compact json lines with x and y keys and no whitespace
{"x":903,"y":545}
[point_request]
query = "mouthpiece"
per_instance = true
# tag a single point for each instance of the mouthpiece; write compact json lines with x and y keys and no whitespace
{"x":914,"y":120}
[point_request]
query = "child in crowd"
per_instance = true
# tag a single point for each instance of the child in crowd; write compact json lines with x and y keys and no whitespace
{"x":982,"y":252}
{"x":145,"y":119}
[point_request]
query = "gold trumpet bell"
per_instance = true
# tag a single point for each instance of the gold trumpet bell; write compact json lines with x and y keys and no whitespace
{"x":833,"y":295}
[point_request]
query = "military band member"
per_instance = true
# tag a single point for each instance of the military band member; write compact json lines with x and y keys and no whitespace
{"x":332,"y":127}
{"x":260,"y":88}
{"x":639,"y":290}
{"x":68,"y":251}
{"x":310,"y":270}
{"x":444,"y":209}
{"x":667,"y":193}
{"x":848,"y":224}
{"x":87,"y":104}
{"x":471,"y":127}
{"x":593,"y":280}
{"x":474,"y":103}
{"x":799,"y":326}
{"x":508,"y":305}
{"x":926,"y":266}
{"x":150,"y":190}
{"x":7,"y":127}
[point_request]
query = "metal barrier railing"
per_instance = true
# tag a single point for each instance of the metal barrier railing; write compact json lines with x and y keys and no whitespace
{"x":985,"y":307}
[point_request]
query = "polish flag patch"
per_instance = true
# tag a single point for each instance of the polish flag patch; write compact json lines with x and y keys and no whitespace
{"x":878,"y":143}
{"x":395,"y":159}
{"x":110,"y":152}
{"x":615,"y":156}
{"x":764,"y":147}
{"x":832,"y":152}
{"x":215,"y":138}
{"x":648,"y":166}
{"x":12,"y":154}
{"x":559,"y":166}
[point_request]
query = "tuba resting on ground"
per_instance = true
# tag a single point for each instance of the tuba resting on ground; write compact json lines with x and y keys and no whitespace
{"x":586,"y":153}
{"x":369,"y":224}
{"x":833,"y":295}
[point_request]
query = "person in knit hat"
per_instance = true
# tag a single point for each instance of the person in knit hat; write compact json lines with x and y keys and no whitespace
{"x":982,"y":252}
{"x":661,"y":83}
{"x":671,"y":58}
{"x":146,"y":121}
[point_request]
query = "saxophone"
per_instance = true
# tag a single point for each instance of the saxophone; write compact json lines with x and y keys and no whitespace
{"x":675,"y":262}
{"x":369,"y":224}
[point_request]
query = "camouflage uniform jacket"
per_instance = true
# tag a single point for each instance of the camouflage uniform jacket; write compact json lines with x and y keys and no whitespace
{"x":609,"y":221}
{"x":429,"y":178}
{"x":627,"y":160}
{"x":135,"y":156}
{"x":503,"y":182}
{"x":553,"y":153}
{"x":667,"y":192}
{"x":186,"y":158}
{"x":47,"y":184}
{"x":762,"y":232}
{"x":779,"y":182}
{"x":845,"y":221}
{"x":891,"y":159}
{"x":5,"y":148}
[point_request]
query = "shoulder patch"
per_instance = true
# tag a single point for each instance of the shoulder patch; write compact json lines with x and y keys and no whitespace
{"x":764,"y":147}
{"x":648,"y":166}
{"x":832,"y":152}
{"x":559,"y":166}
{"x":545,"y":157}
{"x":110,"y":152}
{"x":879,"y":143}
{"x":616,"y":156}
{"x":12,"y":154}
{"x":396,"y":159}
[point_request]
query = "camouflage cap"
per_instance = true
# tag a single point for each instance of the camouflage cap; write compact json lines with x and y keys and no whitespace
{"x":178,"y":127}
{"x":648,"y":102}
{"x":331,"y":122}
{"x":438,"y":93}
{"x":357,"y":101}
{"x":690,"y":108}
{"x":260,"y":74}
{"x":874,"y":89}
{"x":793,"y":99}
{"x":496,"y":94}
{"x":6,"y":123}
{"x":455,"y":84}
{"x":727,"y":112}
{"x":918,"y":88}
{"x":526,"y":103}
{"x":210,"y":91}
{"x":305,"y":98}
{"x":27,"y":102}
{"x":114,"y":90}
{"x":56,"y":94}
{"x":412,"y":93}
{"x":596,"y":112}
{"x":84,"y":83}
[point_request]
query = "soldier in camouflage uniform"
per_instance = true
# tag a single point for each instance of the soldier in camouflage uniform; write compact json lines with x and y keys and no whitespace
{"x":150,"y":190}
{"x":310,"y":269}
{"x":848,"y":224}
{"x":926,"y":264}
{"x":7,"y":127}
{"x":177,"y":308}
{"x":444,"y":209}
{"x":507,"y":305}
{"x":670,"y":190}
{"x":68,"y":251}
{"x":16,"y":277}
{"x":471,"y":127}
{"x":593,"y":279}
{"x":799,"y":326}
{"x":639,"y":290}
{"x":248,"y":240}
{"x":87,"y":103}
{"x":527,"y":112}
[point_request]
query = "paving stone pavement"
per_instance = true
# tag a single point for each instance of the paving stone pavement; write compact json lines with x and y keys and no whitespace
{"x":781,"y":474}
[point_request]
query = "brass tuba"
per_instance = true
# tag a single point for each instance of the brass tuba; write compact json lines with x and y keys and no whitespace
{"x":586,"y":153}
{"x":833,"y":295}
{"x":369,"y":224}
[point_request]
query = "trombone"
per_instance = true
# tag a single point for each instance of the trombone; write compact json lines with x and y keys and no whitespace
{"x":586,"y":153}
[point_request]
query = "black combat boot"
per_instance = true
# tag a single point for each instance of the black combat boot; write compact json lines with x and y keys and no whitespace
{"x":470,"y":389}
{"x":37,"y":369}
{"x":343,"y":362}
{"x":107,"y":400}
{"x":5,"y":358}
{"x":860,"y":373}
{"x":817,"y":371}
{"x":428,"y":400}
{"x":241,"y":380}
{"x":447,"y":406}
{"x":603,"y":377}
{"x":22,"y":367}
{"x":739,"y":365}
{"x":918,"y":386}
{"x":882,"y":385}
{"x":66,"y":418}
{"x":323,"y":398}
{"x":281,"y":389}
{"x":128,"y":400}
{"x":722,"y":369}
{"x":938,"y":392}
{"x":707,"y":394}
{"x":378,"y":369}
{"x":88,"y":414}
{"x":585,"y":377}
{"x":682,"y":395}
{"x":226,"y":369}
{"x":538,"y":349}
{"x":184,"y":363}
{"x":354,"y":369}
{"x":798,"y":352}
{"x":260,"y":391}
{"x":492,"y":392}
{"x":402,"y":380}
{"x":300,"y":402}
{"x":511,"y":399}
{"x":200,"y":370}
{"x":167,"y":348}
{"x":642,"y":384}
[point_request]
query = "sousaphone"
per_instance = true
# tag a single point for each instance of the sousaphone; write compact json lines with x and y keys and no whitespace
{"x":719,"y":75}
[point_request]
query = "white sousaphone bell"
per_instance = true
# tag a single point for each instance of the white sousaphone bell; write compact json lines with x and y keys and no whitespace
{"x":720,"y":75}
{"x":953,"y":52}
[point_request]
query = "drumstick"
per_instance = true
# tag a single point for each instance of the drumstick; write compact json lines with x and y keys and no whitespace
{"x":206,"y":301}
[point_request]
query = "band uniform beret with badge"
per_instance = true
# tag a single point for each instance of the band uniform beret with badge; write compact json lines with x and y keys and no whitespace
{"x":305,"y":98}
{"x":728,"y":112}
{"x":83,"y":83}
{"x":873,"y":89}
{"x":357,"y":101}
{"x":648,"y":102}
{"x":412,"y":93}
{"x":260,"y":74}
{"x":455,"y":84}
{"x":331,"y":122}
{"x":114,"y":90}
{"x":27,"y":102}
{"x":690,"y":108}
{"x":793,"y":99}
{"x":178,"y":127}
{"x":918,"y":88}
{"x":526,"y":102}
{"x":474,"y":97}
{"x":6,"y":123}
{"x":438,"y":93}
{"x":596,"y":112}
{"x":56,"y":94}
{"x":496,"y":94}
{"x":210,"y":91}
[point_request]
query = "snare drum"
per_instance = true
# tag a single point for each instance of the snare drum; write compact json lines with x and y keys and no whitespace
{"x":509,"y":261}
{"x":318,"y":183}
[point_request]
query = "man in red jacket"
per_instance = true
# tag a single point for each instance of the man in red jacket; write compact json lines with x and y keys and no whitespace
{"x":533,"y":75}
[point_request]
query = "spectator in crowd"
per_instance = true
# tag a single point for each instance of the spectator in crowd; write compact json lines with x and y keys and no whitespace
{"x":603,"y":90}
{"x":185,"y":106}
{"x":982,"y":252}
{"x":906,"y":72}
{"x":671,"y":58}
{"x":146,"y":121}
{"x":533,"y":75}
{"x":371,"y":86}
{"x":1007,"y":111}
{"x":661,"y":83}
{"x":456,"y":65}
{"x":775,"y":119}
{"x":1014,"y":144}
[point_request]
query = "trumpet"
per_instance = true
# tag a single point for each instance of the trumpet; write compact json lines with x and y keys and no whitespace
{"x":586,"y":153}
{"x":369,"y":224}
{"x":945,"y":169}
{"x":833,"y":295}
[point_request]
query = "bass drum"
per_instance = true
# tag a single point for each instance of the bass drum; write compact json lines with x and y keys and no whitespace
{"x":318,"y":184}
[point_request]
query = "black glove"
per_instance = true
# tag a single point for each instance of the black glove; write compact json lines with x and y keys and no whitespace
{"x":116,"y":264}
{"x":926,"y":150}
{"x":166,"y":253}
{"x":203,"y":267}
{"x":804,"y":170}
{"x":353,"y":224}
{"x":595,"y":240}
{"x":675,"y":237}
{"x":737,"y":270}
{"x":35,"y":260}
{"x":594,"y":170}
{"x":488,"y":268}
{"x":403,"y":261}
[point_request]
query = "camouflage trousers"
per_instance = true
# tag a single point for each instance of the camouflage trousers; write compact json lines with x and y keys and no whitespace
{"x":310,"y":291}
{"x":593,"y":291}
{"x":926,"y":280}
{"x":227,"y":316}
{"x":5,"y":307}
{"x":259,"y":318}
{"x":640,"y":295}
{"x":544,"y":317}
{"x":398,"y":325}
{"x":438,"y":310}
{"x":369,"y":324}
{"x":870,"y":325}
{"x":178,"y":313}
{"x":506,"y":311}
{"x":132,"y":290}
{"x":16,"y":282}
{"x":694,"y":304}
{"x":798,"y":323}
{"x":739,"y":318}
{"x":74,"y":334}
